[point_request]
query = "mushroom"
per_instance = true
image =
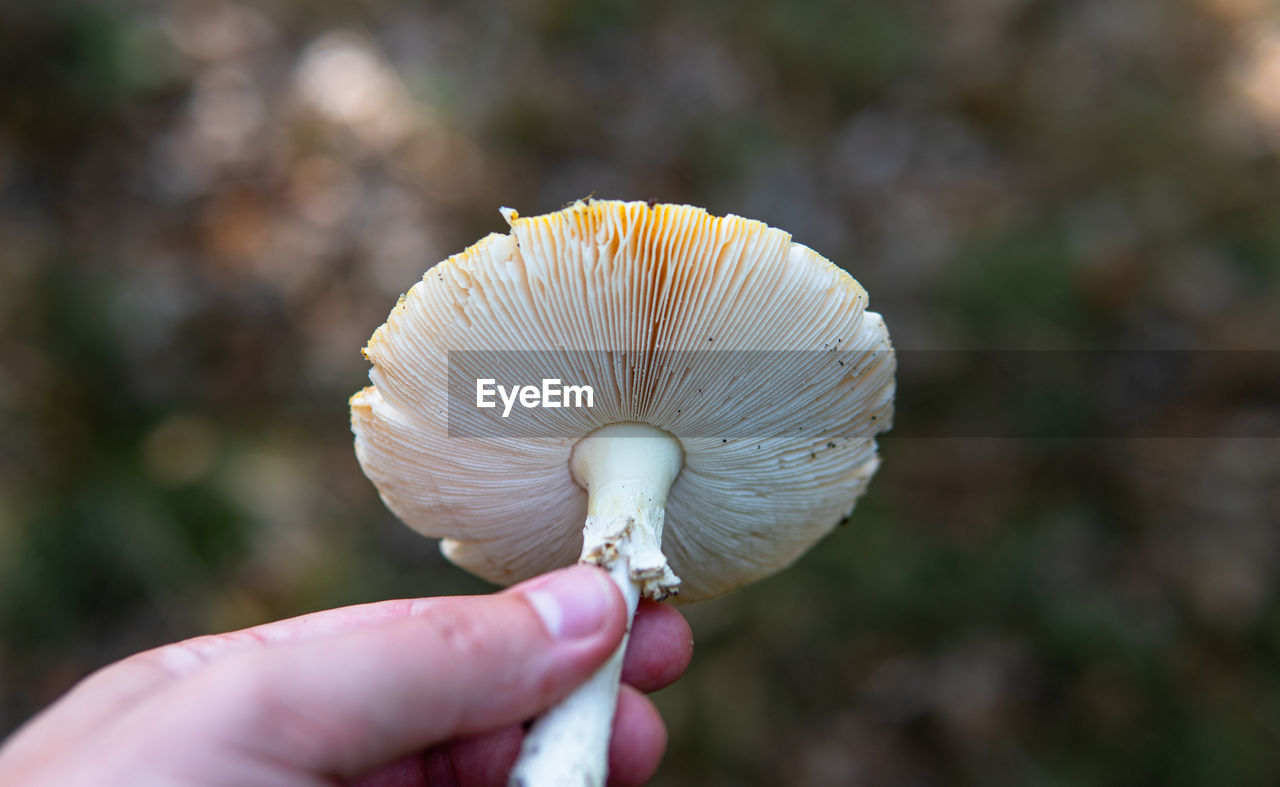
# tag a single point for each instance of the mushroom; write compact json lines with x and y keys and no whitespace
{"x":738,"y":382}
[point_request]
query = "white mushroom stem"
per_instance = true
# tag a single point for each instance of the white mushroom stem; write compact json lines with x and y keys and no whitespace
{"x":627,"y":470}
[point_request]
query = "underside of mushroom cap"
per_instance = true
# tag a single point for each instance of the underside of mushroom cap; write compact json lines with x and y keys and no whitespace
{"x":755,"y":352}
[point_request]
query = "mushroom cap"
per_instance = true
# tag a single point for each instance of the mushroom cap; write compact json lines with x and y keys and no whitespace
{"x":756,"y":352}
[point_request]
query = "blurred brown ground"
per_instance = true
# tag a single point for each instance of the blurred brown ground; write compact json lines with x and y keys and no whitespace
{"x":206,"y":208}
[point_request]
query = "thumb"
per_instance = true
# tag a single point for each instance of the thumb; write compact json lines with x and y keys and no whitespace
{"x":348,"y":703}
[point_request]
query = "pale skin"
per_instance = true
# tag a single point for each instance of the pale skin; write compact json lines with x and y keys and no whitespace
{"x":418,"y":691}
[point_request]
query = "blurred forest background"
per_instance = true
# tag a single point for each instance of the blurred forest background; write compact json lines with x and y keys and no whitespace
{"x":207,"y":207}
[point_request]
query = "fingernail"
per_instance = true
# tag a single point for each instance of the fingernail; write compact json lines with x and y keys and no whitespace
{"x":572,"y":604}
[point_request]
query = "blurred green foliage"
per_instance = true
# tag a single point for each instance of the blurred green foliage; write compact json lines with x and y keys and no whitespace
{"x":206,"y":208}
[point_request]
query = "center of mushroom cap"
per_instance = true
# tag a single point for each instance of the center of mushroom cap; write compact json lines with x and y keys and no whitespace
{"x":627,"y":453}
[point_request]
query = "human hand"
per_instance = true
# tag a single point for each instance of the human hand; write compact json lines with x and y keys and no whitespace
{"x":417,"y":691}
